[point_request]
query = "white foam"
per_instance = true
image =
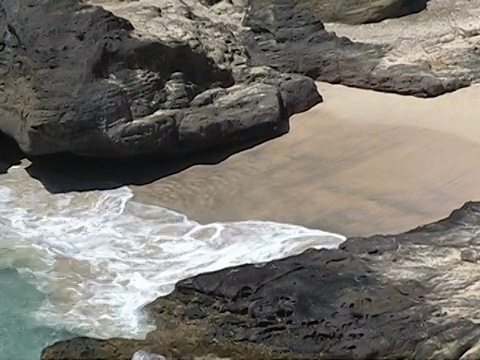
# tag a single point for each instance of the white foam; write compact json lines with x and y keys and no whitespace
{"x":101,"y":256}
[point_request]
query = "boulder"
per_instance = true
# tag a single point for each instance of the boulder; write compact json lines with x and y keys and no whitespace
{"x":79,"y":79}
{"x":290,"y":38}
{"x":411,"y":295}
{"x":299,"y":94}
{"x":109,"y":78}
{"x":144,"y":355}
{"x":361,"y":11}
{"x":84,"y":348}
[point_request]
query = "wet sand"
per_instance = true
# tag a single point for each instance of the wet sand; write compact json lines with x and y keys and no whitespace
{"x":358,"y":164}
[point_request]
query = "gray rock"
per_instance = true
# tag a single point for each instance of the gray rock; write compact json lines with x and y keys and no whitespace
{"x":178,"y":92}
{"x":361,"y":11}
{"x":290,"y":38}
{"x":299,"y":94}
{"x":79,"y":79}
{"x":10,"y":154}
{"x":129,"y":79}
{"x":405,"y":295}
{"x":144,"y":355}
{"x":397,"y":296}
{"x":469,"y":255}
{"x":245,"y":113}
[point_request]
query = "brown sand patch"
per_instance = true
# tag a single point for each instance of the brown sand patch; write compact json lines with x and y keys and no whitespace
{"x":360,"y":163}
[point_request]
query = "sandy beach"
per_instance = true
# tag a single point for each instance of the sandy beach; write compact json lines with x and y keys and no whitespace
{"x":362,"y":162}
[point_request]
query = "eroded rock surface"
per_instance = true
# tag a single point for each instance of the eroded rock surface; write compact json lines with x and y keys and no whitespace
{"x":290,"y":38}
{"x":111,"y":78}
{"x":444,"y":39}
{"x":412,"y":295}
{"x":361,"y":11}
{"x":77,"y":78}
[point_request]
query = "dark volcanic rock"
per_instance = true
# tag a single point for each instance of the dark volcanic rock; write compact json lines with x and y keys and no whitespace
{"x":401,"y":296}
{"x":10,"y":154}
{"x":87,"y":348}
{"x":361,"y":11}
{"x":289,"y":38}
{"x":243,"y":114}
{"x":299,"y":94}
{"x":76,"y":78}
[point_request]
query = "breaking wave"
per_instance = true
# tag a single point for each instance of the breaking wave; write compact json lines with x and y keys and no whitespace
{"x":100,"y":256}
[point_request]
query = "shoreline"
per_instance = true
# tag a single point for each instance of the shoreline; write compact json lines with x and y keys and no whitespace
{"x":349,"y":166}
{"x":346,"y":166}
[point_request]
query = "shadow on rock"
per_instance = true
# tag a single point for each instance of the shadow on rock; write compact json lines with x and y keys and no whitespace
{"x":10,"y":153}
{"x":65,"y":173}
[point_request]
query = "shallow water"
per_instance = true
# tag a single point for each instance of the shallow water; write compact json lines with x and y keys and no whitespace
{"x":89,"y":261}
{"x":22,"y":338}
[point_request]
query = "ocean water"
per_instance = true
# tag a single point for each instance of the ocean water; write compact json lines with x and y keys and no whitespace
{"x":22,"y":338}
{"x":85,"y":263}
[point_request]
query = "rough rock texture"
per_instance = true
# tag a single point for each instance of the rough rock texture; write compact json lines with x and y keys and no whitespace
{"x":299,"y":94}
{"x":289,"y":38}
{"x":361,"y":11}
{"x":444,"y":39}
{"x":111,"y":78}
{"x":76,"y":78}
{"x":413,"y":295}
{"x":144,"y":355}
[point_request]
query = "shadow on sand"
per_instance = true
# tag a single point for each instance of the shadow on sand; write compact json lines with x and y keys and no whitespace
{"x":65,"y":173}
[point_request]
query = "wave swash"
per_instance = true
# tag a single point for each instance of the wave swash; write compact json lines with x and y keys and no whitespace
{"x":100,"y":256}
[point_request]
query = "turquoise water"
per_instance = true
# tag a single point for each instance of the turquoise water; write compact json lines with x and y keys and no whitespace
{"x":21,"y":338}
{"x":95,"y":258}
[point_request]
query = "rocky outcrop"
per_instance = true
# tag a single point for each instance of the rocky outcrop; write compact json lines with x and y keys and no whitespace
{"x":412,"y":295}
{"x":84,"y":82}
{"x":121,"y":79}
{"x":290,"y":38}
{"x":77,"y":78}
{"x":361,"y":11}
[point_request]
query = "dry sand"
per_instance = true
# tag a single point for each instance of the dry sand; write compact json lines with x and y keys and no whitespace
{"x":360,"y":163}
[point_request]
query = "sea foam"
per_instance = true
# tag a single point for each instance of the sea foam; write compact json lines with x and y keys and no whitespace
{"x":100,"y":256}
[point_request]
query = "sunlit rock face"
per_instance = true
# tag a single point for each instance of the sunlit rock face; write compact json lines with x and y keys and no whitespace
{"x":120,"y":79}
{"x":82,"y":79}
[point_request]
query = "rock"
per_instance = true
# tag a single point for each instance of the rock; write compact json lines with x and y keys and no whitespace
{"x":10,"y":154}
{"x":178,"y":92}
{"x":361,"y":11}
{"x":245,"y":113}
{"x":83,"y":348}
{"x":79,"y":79}
{"x":402,"y":296}
{"x":110,"y":78}
{"x":290,"y":38}
{"x":299,"y":94}
{"x":86,"y":348}
{"x":469,"y":255}
{"x":144,"y":355}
